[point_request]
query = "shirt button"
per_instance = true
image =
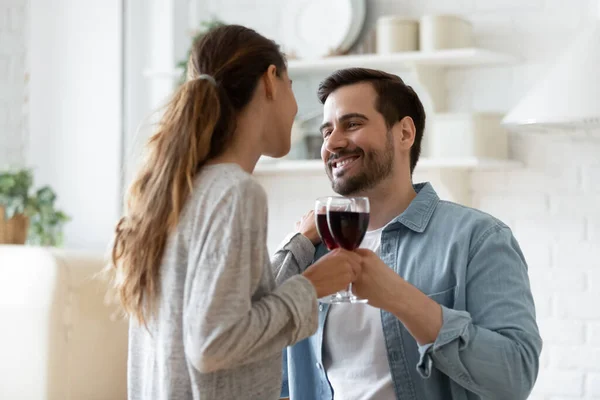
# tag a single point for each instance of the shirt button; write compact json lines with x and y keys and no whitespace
{"x":320,"y":307}
{"x":319,"y":366}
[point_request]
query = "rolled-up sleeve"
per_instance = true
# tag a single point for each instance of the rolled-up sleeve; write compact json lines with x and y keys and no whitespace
{"x":493,"y":348}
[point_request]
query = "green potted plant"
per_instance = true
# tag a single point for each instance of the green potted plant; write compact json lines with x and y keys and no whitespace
{"x":28,"y":215}
{"x":205,"y":26}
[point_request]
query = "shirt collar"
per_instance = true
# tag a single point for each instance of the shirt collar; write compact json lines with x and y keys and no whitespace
{"x":418,"y":213}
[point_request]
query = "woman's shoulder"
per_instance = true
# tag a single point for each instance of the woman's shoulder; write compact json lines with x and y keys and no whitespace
{"x":227,"y":183}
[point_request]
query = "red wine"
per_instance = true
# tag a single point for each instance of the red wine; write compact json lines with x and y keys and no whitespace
{"x":348,"y":228}
{"x":323,"y":230}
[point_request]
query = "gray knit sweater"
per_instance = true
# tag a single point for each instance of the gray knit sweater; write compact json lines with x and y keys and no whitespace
{"x":221,"y":322}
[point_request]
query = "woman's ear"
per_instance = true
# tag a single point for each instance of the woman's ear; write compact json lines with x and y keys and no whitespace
{"x":269,"y":79}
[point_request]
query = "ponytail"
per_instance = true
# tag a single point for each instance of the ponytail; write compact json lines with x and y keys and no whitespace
{"x":181,"y":145}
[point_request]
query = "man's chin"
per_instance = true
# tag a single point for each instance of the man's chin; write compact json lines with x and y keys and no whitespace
{"x":343,"y":186}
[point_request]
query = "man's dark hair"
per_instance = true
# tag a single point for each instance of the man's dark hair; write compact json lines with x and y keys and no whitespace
{"x":395,"y":99}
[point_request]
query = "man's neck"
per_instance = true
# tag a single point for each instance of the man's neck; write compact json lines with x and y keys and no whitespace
{"x":387,"y":201}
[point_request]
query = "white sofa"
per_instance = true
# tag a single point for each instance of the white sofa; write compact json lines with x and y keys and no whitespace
{"x":59,"y":340}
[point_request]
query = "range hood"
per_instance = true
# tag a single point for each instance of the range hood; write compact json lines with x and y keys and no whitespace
{"x":569,"y":95}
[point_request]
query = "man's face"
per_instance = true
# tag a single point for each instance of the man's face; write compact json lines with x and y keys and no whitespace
{"x":358,"y":148}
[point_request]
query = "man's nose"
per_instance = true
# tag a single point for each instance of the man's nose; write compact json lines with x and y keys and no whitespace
{"x":336,"y":141}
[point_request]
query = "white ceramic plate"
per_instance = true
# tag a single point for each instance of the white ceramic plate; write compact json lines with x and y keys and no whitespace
{"x":315,"y":28}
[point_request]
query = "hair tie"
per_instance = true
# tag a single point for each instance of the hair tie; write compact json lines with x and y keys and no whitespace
{"x":208,"y":78}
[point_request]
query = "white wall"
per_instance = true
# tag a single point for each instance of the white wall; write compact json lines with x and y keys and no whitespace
{"x":75,"y":138}
{"x":14,"y":24}
{"x":155,"y":39}
{"x":553,"y":203}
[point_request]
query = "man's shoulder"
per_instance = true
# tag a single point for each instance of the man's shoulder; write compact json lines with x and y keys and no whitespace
{"x":466,"y":224}
{"x":467,"y":217}
{"x":469,"y":228}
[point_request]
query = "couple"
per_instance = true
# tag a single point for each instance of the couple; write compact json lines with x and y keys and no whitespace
{"x":450,"y":313}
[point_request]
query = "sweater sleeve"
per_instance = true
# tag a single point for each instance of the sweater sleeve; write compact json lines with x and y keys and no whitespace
{"x":226,"y":324}
{"x":292,"y":257}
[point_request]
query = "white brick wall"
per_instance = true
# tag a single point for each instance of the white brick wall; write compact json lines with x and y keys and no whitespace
{"x":564,"y":383}
{"x":13,"y":86}
{"x":574,"y":357}
{"x":590,"y":174}
{"x":593,"y":333}
{"x":592,"y":386}
{"x":552,"y":204}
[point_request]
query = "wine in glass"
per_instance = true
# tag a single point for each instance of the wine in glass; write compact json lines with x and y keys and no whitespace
{"x":322,"y":224}
{"x":348,"y":220}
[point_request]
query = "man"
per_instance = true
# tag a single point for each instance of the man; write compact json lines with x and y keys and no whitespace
{"x":450,"y":313}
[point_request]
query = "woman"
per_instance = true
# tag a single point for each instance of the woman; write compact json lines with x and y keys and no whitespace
{"x":207,"y":321}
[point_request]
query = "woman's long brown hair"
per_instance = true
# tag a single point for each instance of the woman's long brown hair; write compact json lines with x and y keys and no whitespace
{"x":197,"y":125}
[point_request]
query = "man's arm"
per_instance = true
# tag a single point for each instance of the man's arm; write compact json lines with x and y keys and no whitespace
{"x":292,"y":257}
{"x":493,"y":348}
{"x":297,"y":250}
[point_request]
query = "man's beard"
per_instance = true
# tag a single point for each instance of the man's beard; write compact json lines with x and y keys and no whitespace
{"x":377,"y":166}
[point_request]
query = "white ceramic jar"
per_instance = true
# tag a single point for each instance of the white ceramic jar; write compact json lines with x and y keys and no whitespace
{"x":396,"y":34}
{"x":467,"y":135}
{"x":440,"y":32}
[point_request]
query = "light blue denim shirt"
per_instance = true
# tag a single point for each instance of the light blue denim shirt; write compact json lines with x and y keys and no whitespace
{"x":470,"y":263}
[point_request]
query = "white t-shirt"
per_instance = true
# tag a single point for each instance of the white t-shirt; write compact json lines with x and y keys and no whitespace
{"x":354,"y":352}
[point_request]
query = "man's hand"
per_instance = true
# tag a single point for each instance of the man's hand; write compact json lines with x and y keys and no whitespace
{"x":385,"y":289}
{"x":307,"y":226}
{"x":377,"y":282}
{"x":333,"y":272}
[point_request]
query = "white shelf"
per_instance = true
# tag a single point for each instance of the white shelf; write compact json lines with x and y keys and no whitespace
{"x":473,"y":163}
{"x":316,"y":166}
{"x":443,"y":58}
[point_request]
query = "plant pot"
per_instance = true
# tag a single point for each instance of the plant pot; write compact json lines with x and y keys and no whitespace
{"x":13,"y":231}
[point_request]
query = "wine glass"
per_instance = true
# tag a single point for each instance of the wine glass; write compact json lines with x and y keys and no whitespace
{"x":322,"y":224}
{"x":348,"y":220}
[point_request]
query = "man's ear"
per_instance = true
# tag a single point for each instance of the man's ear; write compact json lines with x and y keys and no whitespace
{"x":404,"y":132}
